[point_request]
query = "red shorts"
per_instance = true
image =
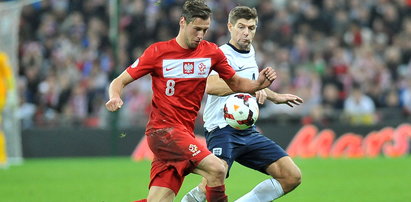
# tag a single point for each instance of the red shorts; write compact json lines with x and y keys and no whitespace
{"x":176,"y":154}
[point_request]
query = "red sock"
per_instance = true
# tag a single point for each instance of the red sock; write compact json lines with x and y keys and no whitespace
{"x":142,"y":200}
{"x":216,"y":194}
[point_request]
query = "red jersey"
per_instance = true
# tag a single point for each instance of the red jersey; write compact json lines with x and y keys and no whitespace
{"x":178,"y":78}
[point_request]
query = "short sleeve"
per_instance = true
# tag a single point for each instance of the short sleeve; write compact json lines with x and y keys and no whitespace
{"x":144,"y":64}
{"x":225,"y":71}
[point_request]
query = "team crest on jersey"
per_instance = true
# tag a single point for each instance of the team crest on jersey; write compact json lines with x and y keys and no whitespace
{"x":217,"y":151}
{"x":202,"y":67}
{"x":188,"y":67}
{"x":194,"y":149}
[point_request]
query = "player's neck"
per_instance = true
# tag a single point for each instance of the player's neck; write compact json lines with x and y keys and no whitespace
{"x":180,"y":41}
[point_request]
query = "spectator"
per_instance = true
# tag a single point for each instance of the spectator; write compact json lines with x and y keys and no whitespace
{"x":359,"y":108}
{"x":320,"y":48}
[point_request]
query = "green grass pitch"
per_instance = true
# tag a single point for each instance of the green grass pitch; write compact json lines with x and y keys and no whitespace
{"x":120,"y":179}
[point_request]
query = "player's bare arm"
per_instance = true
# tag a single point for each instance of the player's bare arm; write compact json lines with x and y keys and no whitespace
{"x":244,"y":85}
{"x":278,"y":98}
{"x":114,"y":91}
{"x":217,"y":86}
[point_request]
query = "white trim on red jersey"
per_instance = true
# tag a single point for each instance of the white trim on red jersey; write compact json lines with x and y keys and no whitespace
{"x":186,"y":68}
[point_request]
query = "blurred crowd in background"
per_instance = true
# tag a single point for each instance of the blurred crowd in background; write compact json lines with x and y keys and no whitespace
{"x":350,"y":60}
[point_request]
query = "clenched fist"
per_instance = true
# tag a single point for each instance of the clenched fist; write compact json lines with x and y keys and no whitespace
{"x":266,"y":77}
{"x":114,"y":104}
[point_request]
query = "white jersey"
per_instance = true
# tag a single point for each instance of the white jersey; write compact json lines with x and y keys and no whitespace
{"x":244,"y":63}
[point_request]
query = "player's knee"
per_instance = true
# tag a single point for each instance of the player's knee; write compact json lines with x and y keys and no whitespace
{"x":216,"y":170}
{"x":295,"y":180}
{"x":292,"y":181}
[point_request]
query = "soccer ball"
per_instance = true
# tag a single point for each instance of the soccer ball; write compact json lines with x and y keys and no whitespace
{"x":241,"y":111}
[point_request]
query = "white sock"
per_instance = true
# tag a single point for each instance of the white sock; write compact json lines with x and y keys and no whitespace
{"x":194,"y":195}
{"x":267,"y":190}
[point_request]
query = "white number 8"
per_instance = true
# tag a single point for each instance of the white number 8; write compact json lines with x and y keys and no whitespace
{"x":170,"y":87}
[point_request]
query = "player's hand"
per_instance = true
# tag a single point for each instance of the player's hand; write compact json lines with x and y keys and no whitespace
{"x":289,"y":99}
{"x":114,"y":104}
{"x":261,"y":96}
{"x":267,"y":76}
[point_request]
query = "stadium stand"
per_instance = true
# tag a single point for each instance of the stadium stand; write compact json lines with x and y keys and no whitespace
{"x":332,"y":53}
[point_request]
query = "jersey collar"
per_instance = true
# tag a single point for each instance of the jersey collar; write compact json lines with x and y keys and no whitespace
{"x":238,"y":50}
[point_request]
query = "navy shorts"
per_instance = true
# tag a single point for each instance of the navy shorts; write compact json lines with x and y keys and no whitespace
{"x":248,"y":147}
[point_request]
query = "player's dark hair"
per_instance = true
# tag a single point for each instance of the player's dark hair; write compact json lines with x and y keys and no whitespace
{"x":195,"y":9}
{"x":240,"y":12}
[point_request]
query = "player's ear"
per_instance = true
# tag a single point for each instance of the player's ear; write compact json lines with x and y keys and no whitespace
{"x":229,"y":26}
{"x":182,"y":21}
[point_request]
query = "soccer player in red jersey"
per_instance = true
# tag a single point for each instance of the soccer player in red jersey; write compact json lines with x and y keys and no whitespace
{"x":179,"y":69}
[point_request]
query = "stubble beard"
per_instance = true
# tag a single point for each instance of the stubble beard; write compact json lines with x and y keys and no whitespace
{"x":191,"y":45}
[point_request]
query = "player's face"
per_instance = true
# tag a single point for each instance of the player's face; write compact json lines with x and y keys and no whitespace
{"x":194,"y":32}
{"x":242,"y":33}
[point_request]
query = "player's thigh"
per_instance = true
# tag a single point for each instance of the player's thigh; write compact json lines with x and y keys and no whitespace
{"x":262,"y":152}
{"x":284,"y":168}
{"x":158,"y":194}
{"x":176,"y":145}
{"x":176,"y":153}
{"x":221,"y":143}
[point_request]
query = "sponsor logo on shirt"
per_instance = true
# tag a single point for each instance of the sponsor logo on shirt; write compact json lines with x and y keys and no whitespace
{"x":188,"y":67}
{"x":194,"y":149}
{"x":168,"y":69}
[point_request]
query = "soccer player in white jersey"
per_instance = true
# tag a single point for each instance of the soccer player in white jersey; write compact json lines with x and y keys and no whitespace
{"x":248,"y":147}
